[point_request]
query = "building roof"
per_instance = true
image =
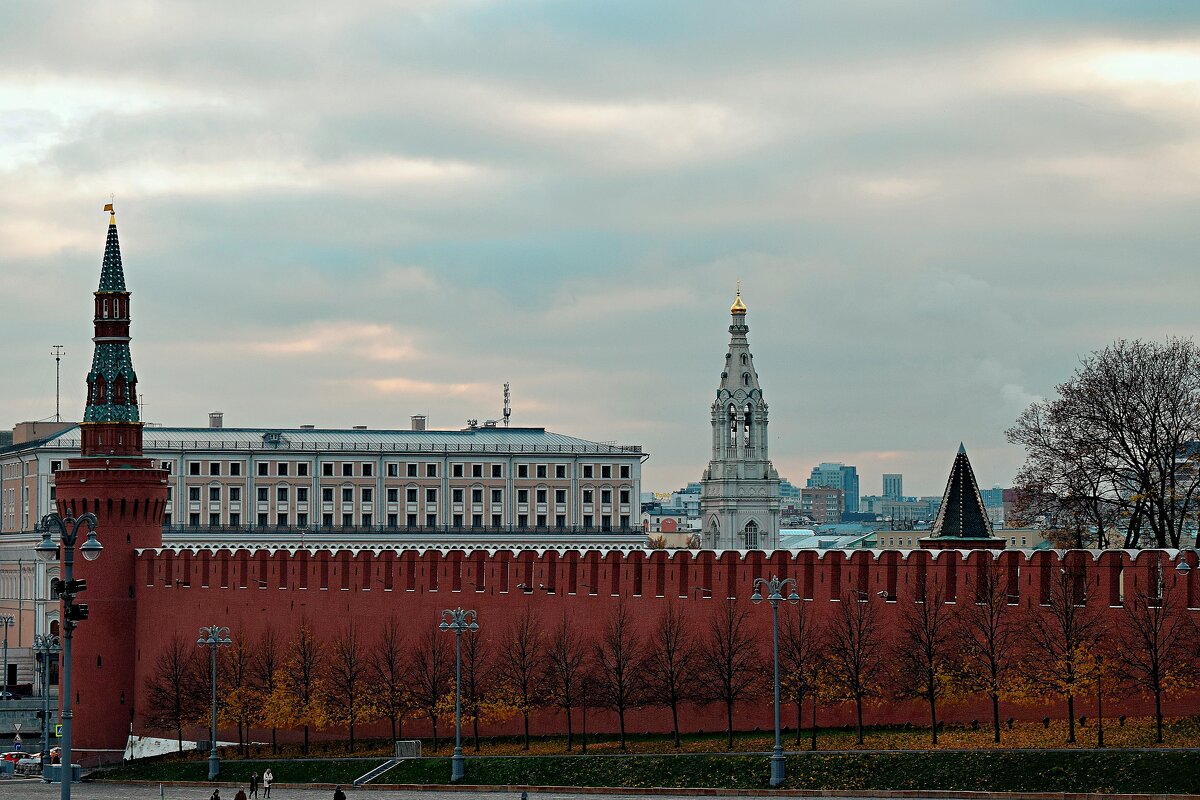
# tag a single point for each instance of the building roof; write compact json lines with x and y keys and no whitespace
{"x":962,"y":514}
{"x":528,"y":440}
{"x":112,"y":275}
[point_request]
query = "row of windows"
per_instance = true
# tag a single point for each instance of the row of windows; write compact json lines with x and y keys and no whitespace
{"x":367,"y":494}
{"x":282,"y":520}
{"x":412,"y":470}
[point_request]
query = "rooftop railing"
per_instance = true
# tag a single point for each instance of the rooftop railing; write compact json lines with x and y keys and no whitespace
{"x":160,"y":446}
{"x":397,"y":532}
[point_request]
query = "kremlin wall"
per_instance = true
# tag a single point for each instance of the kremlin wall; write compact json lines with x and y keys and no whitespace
{"x":141,"y":594}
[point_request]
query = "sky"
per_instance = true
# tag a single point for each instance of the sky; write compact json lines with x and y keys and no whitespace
{"x":346,"y":213}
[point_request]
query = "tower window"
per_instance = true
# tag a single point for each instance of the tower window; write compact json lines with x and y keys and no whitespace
{"x":745,"y":378}
{"x":745,"y":358}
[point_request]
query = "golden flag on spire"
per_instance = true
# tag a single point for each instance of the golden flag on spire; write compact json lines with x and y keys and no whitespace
{"x":108,"y":207}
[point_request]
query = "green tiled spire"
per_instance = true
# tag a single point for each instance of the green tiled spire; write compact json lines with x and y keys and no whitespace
{"x":112,"y":383}
{"x":962,"y":515}
{"x":112,"y":276}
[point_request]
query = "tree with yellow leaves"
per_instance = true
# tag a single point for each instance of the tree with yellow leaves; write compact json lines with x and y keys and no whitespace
{"x":240,"y":702}
{"x":387,"y":667}
{"x":520,"y":662}
{"x":989,"y":638}
{"x":265,"y":665}
{"x":921,"y":660}
{"x":802,"y":643}
{"x":296,"y":702}
{"x":347,"y":696}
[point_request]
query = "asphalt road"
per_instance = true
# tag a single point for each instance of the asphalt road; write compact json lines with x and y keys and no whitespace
{"x":18,"y":788}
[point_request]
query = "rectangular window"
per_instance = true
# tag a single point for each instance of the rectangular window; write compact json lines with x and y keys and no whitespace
{"x":624,"y":497}
{"x":411,"y":521}
{"x":624,"y":470}
{"x":457,"y":470}
{"x":347,"y":495}
{"x":366,"y":520}
{"x":194,"y":494}
{"x":170,"y":493}
{"x":541,"y":495}
{"x":497,"y":496}
{"x":55,"y":466}
{"x":606,"y":471}
{"x":541,"y":470}
{"x":327,"y":470}
{"x":281,"y":520}
{"x":214,"y":494}
{"x":431,"y":520}
{"x":625,"y":522}
{"x":263,"y":494}
{"x":235,"y":520}
{"x":477,"y":520}
{"x":301,"y":494}
{"x":393,"y":495}
{"x":367,"y":494}
{"x":587,"y":495}
{"x":587,"y":470}
{"x":431,"y":495}
{"x":477,"y":470}
{"x":347,"y":520}
{"x":560,"y":495}
{"x":214,"y":520}
{"x":497,"y":470}
{"x":393,"y":470}
{"x":302,"y":469}
{"x":327,"y":520}
{"x":522,"y":470}
{"x":456,"y":495}
{"x":496,"y":523}
{"x":522,"y":520}
{"x":326,"y":494}
{"x":560,"y":521}
{"x":194,"y":520}
{"x":347,"y":470}
{"x":522,"y":495}
{"x":167,"y":465}
{"x":281,"y":494}
{"x":477,"y":495}
{"x":302,"y":520}
{"x":458,"y":520}
{"x":194,"y":468}
{"x":214,"y":468}
{"x":412,"y":470}
{"x":560,"y":470}
{"x":606,"y":496}
{"x":541,"y":520}
{"x":587,"y":520}
{"x":262,"y":468}
{"x":410,"y":495}
{"x":368,"y":470}
{"x":235,"y":469}
{"x":262,"y":520}
{"x":431,"y":470}
{"x":283,"y":468}
{"x":393,"y":520}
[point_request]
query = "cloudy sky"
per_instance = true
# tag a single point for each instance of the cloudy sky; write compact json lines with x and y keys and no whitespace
{"x":343,"y":213}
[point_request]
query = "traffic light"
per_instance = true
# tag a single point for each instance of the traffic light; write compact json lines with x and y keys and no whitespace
{"x":76,"y":612}
{"x":61,"y":588}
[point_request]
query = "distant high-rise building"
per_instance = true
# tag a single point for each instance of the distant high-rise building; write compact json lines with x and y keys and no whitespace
{"x":838,"y":476}
{"x":739,"y":499}
{"x":893,"y":485}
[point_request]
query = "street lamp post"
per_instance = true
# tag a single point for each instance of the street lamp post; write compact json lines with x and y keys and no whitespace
{"x":213,"y":637}
{"x":66,"y":588}
{"x":775,"y":589}
{"x":458,"y":621}
{"x":7,"y":621}
{"x":45,"y":645}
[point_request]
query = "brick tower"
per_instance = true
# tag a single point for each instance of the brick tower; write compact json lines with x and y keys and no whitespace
{"x":127,"y":495}
{"x":962,"y":522}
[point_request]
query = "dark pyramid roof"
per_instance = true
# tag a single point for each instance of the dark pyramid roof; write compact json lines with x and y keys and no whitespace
{"x":112,"y":276}
{"x":962,"y":515}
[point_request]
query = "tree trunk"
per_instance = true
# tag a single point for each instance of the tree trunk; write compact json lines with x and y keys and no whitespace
{"x":433,"y":719}
{"x":274,"y":742}
{"x":475,"y":728}
{"x":729,"y":726}
{"x":1158,"y":716}
{"x":305,"y":740}
{"x":858,"y":703}
{"x":995,"y":718}
{"x":675,"y":723}
{"x":179,"y":736}
{"x":1071,"y":719}
{"x":393,"y":719}
{"x":351,"y":734}
{"x":570,"y":731}
{"x":814,"y":722}
{"x":799,"y":717}
{"x":525,"y":716}
{"x":933,"y":718}
{"x":621,"y":719}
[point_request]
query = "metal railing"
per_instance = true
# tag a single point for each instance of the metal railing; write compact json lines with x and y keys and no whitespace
{"x":156,"y":447}
{"x":399,"y":531}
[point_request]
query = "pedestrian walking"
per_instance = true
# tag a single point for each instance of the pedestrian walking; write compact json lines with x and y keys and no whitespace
{"x":216,"y":795}
{"x":268,"y":779}
{"x":254,"y":785}
{"x":241,"y":795}
{"x":338,"y":794}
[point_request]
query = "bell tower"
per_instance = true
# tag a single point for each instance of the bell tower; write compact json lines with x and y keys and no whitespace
{"x":128,"y":495}
{"x":739,"y":498}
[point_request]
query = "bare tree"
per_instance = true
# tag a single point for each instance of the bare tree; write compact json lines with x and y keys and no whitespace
{"x":265,"y":664}
{"x":732,"y":669}
{"x":922,"y":657}
{"x":302,"y":680}
{"x":672,"y":664}
{"x":430,"y":673}
{"x":802,"y":648}
{"x":619,"y":677}
{"x":1118,"y":443}
{"x":241,"y":700}
{"x":387,"y":665}
{"x":1155,"y":644}
{"x":1062,"y":636}
{"x":856,"y":649}
{"x":347,"y":689}
{"x":478,"y":679}
{"x":520,"y":663}
{"x":175,"y":695}
{"x":990,"y":638}
{"x":566,"y":660}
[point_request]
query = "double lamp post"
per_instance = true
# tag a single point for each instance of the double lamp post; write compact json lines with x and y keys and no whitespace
{"x":775,"y":589}
{"x":458,"y":621}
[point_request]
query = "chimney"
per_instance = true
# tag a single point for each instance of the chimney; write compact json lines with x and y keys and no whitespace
{"x":418,"y":422}
{"x":308,"y":427}
{"x":216,"y":419}
{"x":360,"y":427}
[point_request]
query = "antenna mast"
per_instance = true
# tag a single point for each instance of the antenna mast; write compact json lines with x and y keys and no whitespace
{"x":58,"y":352}
{"x":507,"y":410}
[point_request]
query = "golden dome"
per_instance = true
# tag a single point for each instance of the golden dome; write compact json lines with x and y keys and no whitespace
{"x":738,"y":306}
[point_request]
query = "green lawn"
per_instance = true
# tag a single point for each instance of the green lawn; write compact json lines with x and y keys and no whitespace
{"x":1059,"y":771}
